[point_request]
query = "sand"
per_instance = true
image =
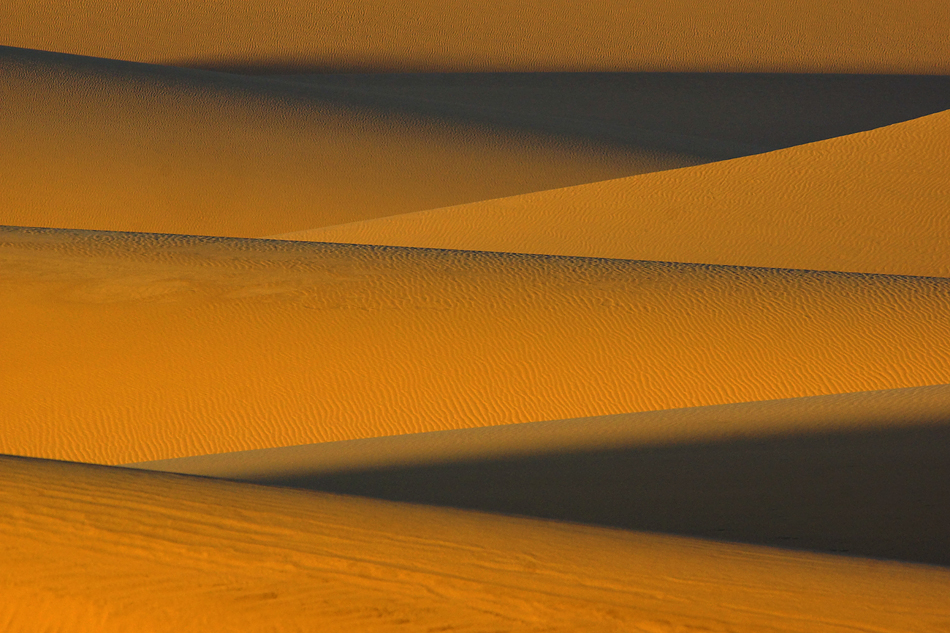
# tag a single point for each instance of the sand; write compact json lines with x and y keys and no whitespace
{"x":616,"y":316}
{"x":872,"y":202}
{"x":802,"y":473}
{"x":714,"y":115}
{"x":97,"y":144}
{"x":132,"y":347}
{"x":92,"y":548}
{"x":882,"y":36}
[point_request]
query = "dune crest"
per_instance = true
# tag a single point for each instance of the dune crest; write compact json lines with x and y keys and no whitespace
{"x":479,"y":35}
{"x":90,"y":548}
{"x":97,"y":144}
{"x":170,"y":346}
{"x":872,"y":202}
{"x":864,"y":473}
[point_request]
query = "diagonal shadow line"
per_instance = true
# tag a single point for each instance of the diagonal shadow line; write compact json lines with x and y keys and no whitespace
{"x":723,"y":114}
{"x":862,"y":474}
{"x":883,"y":494}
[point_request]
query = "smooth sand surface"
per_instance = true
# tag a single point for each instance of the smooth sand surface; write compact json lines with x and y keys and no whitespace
{"x":677,"y":35}
{"x":873,"y":202}
{"x":132,"y":347}
{"x":93,"y":548}
{"x":862,"y":473}
{"x":719,"y":115}
{"x":96,"y":144}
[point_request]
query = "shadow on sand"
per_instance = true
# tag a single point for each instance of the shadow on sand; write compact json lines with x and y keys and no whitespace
{"x":735,"y":113}
{"x":883,"y":493}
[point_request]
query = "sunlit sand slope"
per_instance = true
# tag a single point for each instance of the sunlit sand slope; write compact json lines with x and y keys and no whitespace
{"x":874,"y":202}
{"x":96,"y":144}
{"x":677,"y":35}
{"x":91,"y":548}
{"x":864,"y":473}
{"x":124,"y":347}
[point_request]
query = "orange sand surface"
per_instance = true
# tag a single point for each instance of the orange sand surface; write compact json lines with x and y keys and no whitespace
{"x":675,"y":35}
{"x":125,"y":347}
{"x":97,"y":144}
{"x":475,"y":315}
{"x":863,"y":473}
{"x":93,"y":548}
{"x":873,"y":202}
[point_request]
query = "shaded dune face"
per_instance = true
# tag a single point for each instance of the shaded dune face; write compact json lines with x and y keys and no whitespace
{"x":468,"y":35}
{"x":872,"y":202}
{"x":475,"y":315}
{"x":722,"y":115}
{"x":862,"y":474}
{"x":98,"y":144}
{"x":222,"y":556}
{"x":172,"y":346}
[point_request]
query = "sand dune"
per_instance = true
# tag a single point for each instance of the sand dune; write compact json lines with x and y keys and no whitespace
{"x":874,"y":202}
{"x":376,"y":315}
{"x":130,"y":347}
{"x":804,"y":473}
{"x":92,"y":548}
{"x":716,"y":115}
{"x":97,"y":144}
{"x":680,"y":35}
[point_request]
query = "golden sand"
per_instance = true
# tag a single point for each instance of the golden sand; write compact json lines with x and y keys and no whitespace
{"x":94,"y":144}
{"x":884,"y":36}
{"x":872,"y":202}
{"x":127,"y":347}
{"x":863,"y":473}
{"x":547,"y":431}
{"x":92,"y":548}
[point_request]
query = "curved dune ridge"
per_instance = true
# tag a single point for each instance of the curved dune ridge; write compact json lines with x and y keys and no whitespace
{"x":872,"y":202}
{"x":226,"y":556}
{"x":719,"y":472}
{"x":97,"y":144}
{"x":131,"y":347}
{"x":478,"y":35}
{"x":396,"y":315}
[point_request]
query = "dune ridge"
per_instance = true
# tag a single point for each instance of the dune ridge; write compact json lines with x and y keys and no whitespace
{"x":171,"y":346}
{"x":225,"y":555}
{"x":901,"y":408}
{"x":719,"y":115}
{"x":873,"y":202}
{"x":864,"y":474}
{"x":100,"y":144}
{"x":682,"y":35}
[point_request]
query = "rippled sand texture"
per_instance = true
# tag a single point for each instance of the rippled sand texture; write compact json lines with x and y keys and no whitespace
{"x":863,"y":473}
{"x":216,"y":555}
{"x":97,"y":144}
{"x":475,"y":315}
{"x":677,"y":35}
{"x":872,"y":202}
{"x":128,"y":347}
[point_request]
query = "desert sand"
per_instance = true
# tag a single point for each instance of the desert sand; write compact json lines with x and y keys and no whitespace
{"x":882,"y":36}
{"x":93,"y":548}
{"x":616,"y":316}
{"x":135,"y":347}
{"x":802,"y":473}
{"x":98,"y":144}
{"x":872,"y":202}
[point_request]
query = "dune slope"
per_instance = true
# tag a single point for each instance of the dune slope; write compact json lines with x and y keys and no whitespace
{"x":131,"y":347}
{"x":678,"y":35}
{"x":97,"y":144}
{"x":872,"y":202}
{"x":91,"y":548}
{"x":720,"y":115}
{"x":869,"y":471}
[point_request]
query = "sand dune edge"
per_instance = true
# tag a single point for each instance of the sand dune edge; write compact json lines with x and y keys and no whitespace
{"x":228,"y":555}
